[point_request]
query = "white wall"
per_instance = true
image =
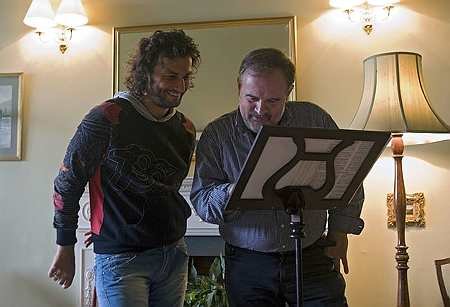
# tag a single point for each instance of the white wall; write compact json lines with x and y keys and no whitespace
{"x":59,"y":89}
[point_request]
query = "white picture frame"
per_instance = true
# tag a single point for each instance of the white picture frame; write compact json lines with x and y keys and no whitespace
{"x":11,"y":95}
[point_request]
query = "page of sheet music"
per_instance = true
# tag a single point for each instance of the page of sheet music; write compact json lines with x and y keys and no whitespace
{"x":346,"y":164}
{"x":306,"y":173}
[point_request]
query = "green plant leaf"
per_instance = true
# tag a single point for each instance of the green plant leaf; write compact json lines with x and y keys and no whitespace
{"x":192,"y":271}
{"x":209,"y":290}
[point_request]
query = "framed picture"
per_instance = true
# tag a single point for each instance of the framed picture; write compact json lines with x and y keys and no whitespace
{"x":11,"y":86}
{"x":415,"y":210}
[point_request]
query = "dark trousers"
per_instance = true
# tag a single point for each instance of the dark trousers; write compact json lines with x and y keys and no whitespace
{"x":268,"y":279}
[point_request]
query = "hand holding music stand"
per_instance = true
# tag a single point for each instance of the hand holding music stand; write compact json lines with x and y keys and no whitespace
{"x":293,"y":169}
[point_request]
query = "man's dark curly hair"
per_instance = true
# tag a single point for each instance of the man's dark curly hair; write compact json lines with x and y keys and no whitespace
{"x":266,"y":60}
{"x":170,"y":44}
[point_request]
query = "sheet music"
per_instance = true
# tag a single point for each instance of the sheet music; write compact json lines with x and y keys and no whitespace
{"x":274,"y":148}
{"x":313,"y":173}
{"x":309,"y":173}
{"x":305,"y":173}
{"x":347,"y":163}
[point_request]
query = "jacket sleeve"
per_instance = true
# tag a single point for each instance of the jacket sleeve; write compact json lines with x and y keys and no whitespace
{"x":345,"y":220}
{"x":83,"y":156}
{"x":210,"y":187}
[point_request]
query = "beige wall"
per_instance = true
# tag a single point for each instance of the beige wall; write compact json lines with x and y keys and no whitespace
{"x":59,"y":89}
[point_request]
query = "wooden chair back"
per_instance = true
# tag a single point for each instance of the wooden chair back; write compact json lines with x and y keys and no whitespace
{"x":439,"y":263}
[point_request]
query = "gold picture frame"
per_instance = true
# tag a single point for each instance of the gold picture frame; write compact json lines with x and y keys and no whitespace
{"x":415,"y":210}
{"x":11,"y":93}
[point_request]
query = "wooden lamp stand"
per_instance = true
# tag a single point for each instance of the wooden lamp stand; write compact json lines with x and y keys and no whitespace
{"x":401,"y":255}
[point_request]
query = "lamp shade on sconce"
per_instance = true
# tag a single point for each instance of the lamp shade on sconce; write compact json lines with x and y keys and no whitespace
{"x":71,"y":14}
{"x":40,"y":15}
{"x":394,"y":99}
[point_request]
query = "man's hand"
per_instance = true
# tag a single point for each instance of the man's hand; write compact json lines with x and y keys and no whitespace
{"x":338,"y":252}
{"x":88,"y":238}
{"x":230,"y":216}
{"x":62,"y":269}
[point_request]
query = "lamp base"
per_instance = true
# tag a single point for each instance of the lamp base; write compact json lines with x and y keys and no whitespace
{"x":399,"y":200}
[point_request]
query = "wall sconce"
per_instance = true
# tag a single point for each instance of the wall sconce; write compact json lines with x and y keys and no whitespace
{"x":367,"y":12}
{"x":70,"y":14}
{"x":394,"y":99}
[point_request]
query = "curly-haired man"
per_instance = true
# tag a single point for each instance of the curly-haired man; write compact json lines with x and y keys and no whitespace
{"x":134,"y":150}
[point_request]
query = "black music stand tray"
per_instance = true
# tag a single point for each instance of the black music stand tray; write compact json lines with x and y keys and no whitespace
{"x":293,"y":169}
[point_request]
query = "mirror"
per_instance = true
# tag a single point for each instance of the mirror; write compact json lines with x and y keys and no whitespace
{"x":222,"y":46}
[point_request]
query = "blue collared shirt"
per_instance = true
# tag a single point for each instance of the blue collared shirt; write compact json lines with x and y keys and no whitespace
{"x":220,"y":156}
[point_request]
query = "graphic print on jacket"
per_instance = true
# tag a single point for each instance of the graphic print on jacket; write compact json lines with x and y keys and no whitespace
{"x":137,"y":170}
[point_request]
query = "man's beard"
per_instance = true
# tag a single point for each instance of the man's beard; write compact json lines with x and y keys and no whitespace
{"x":255,"y":127}
{"x":156,"y":95}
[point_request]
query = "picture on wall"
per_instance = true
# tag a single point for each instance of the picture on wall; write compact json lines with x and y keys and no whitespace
{"x":11,"y":85}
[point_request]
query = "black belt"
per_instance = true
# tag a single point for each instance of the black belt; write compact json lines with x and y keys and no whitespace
{"x":322,"y":242}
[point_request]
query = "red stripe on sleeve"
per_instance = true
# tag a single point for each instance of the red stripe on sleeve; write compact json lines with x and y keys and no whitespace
{"x":96,"y":198}
{"x":111,"y":111}
{"x":58,"y":201}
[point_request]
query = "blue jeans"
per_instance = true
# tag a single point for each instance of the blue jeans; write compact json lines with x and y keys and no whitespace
{"x":256,"y":279}
{"x":156,"y":277}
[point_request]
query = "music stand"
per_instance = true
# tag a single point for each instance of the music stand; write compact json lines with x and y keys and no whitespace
{"x":293,"y":169}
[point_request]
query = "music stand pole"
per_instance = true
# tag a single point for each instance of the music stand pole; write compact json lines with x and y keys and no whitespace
{"x":294,"y":203}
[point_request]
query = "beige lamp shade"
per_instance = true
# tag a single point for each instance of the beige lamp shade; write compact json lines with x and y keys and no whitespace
{"x":71,"y":13}
{"x":40,"y":15}
{"x":394,"y":99}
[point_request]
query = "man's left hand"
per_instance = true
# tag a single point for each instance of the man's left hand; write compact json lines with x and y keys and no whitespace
{"x":339,"y":251}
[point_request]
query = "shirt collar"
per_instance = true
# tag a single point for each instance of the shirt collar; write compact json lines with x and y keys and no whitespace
{"x":141,"y":109}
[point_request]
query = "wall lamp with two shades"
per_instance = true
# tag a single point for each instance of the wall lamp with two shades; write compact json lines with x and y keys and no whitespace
{"x":69,"y":15}
{"x":367,"y":12}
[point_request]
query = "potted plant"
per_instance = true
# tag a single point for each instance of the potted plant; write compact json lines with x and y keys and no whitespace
{"x":207,"y":290}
